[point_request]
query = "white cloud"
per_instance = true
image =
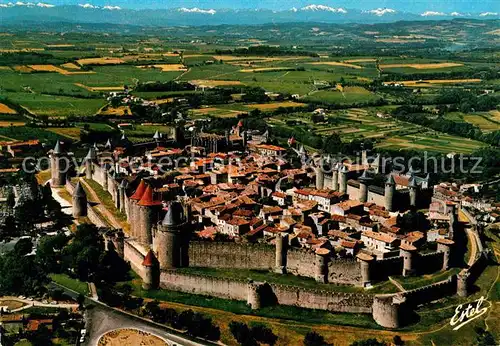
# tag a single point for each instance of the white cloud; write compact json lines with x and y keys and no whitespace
{"x":41,"y":4}
{"x":293,"y":9}
{"x":28,"y":4}
{"x":88,"y":6}
{"x":432,"y":13}
{"x":197,"y":10}
{"x":456,"y":14}
{"x":484,"y":14}
{"x":381,"y":11}
{"x":112,"y":8}
{"x":323,"y":8}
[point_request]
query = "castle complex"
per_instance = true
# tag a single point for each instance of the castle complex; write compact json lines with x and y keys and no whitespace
{"x":337,"y":228}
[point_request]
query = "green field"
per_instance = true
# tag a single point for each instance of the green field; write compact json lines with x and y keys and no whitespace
{"x":55,"y":106}
{"x":432,"y":141}
{"x":73,"y":284}
{"x":348,"y":96}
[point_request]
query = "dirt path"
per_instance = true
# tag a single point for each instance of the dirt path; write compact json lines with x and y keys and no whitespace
{"x":182,"y":74}
{"x":110,"y":218}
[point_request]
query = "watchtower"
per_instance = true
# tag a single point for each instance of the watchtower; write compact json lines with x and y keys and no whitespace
{"x":59,"y":165}
{"x":79,"y":200}
{"x":364,"y":179}
{"x":343,"y":179}
{"x":171,"y":240}
{"x":390,"y":189}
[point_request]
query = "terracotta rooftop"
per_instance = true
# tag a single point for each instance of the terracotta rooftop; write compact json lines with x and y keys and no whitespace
{"x":346,"y":205}
{"x":348,"y":244}
{"x":445,"y":241}
{"x":270,"y":147}
{"x":364,"y":257}
{"x":407,"y":247}
{"x":322,"y":251}
{"x":33,"y":325}
{"x":386,"y":238}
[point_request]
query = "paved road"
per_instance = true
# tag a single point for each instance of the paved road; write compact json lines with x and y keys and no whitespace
{"x":101,"y":320}
{"x":30,"y":303}
{"x":66,"y":207}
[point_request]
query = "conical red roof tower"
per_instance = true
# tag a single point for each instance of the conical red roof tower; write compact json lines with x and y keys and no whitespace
{"x":150,"y":259}
{"x":139,"y":191}
{"x":147,"y":198}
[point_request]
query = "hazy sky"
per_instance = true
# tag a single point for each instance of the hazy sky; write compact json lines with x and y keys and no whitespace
{"x":414,"y":6}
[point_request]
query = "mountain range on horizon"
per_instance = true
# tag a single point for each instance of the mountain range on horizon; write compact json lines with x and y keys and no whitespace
{"x":14,"y":13}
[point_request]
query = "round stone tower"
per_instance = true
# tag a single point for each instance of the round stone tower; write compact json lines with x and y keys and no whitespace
{"x":388,"y":310}
{"x":59,"y":165}
{"x":364,"y":179}
{"x":122,"y":195}
{"x":253,"y":295}
{"x":390,"y":189}
{"x":89,"y":163}
{"x":335,"y":177}
{"x":171,"y":241}
{"x":104,"y":176}
{"x":320,"y":176}
{"x":343,"y":179}
{"x":462,"y":284}
{"x":408,"y":254}
{"x":321,"y":265}
{"x":244,"y":135}
{"x":365,"y":261}
{"x":281,"y":253}
{"x":453,"y":222}
{"x":149,"y":210}
{"x":79,"y":200}
{"x":413,"y":191}
{"x":133,"y":217}
{"x":444,"y":245}
{"x":151,"y":277}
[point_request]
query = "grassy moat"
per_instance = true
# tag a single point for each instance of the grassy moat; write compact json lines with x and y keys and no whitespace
{"x":270,"y":277}
{"x":281,"y":312}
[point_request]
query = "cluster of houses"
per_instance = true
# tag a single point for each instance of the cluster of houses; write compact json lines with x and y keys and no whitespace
{"x":253,"y":194}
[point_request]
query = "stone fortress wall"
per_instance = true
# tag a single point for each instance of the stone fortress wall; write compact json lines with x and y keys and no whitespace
{"x":231,"y":255}
{"x":266,"y":293}
{"x":387,"y":310}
